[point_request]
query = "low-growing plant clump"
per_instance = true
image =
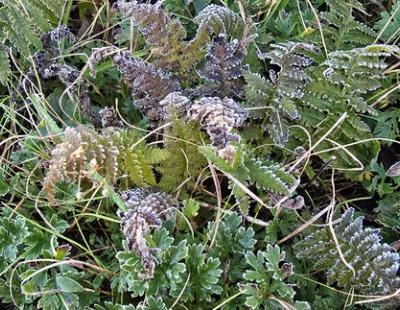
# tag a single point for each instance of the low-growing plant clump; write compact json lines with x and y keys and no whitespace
{"x":199,"y":154}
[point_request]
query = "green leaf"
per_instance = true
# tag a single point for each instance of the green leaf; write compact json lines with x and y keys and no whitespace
{"x":200,"y":4}
{"x":49,"y":301}
{"x":179,"y":252}
{"x":191,"y":208}
{"x":154,"y":304}
{"x":209,"y":273}
{"x":4,"y":187}
{"x":389,"y":211}
{"x":38,"y":242}
{"x":110,"y":306}
{"x":389,"y":22}
{"x":185,"y":162}
{"x":211,"y":154}
{"x":273,"y":256}
{"x":265,"y":278}
{"x":180,"y":7}
{"x":387,"y":125}
{"x":302,"y":305}
{"x":174,"y":256}
{"x":59,"y":225}
{"x":40,"y":107}
{"x":252,"y":301}
{"x":12,"y":234}
{"x":161,"y":239}
{"x":251,"y":259}
{"x":68,"y":285}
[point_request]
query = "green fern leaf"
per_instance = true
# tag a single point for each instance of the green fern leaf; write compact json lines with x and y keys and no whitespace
{"x":38,"y":17}
{"x":22,"y":23}
{"x":22,"y":36}
{"x":274,"y":100}
{"x":341,"y":85}
{"x":52,"y":10}
{"x":136,"y":159}
{"x":270,"y":177}
{"x":341,"y":30}
{"x":249,"y":170}
{"x":184,"y":165}
{"x":389,"y":23}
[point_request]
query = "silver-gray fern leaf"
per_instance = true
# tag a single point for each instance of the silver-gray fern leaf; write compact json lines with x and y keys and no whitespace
{"x":274,"y":99}
{"x":375,"y":264}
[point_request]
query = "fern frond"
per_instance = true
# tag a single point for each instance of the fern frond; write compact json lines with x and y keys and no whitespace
{"x":136,"y":160}
{"x":111,"y":153}
{"x":218,"y":117}
{"x":81,"y":147}
{"x":17,"y":31}
{"x":167,"y":37}
{"x":234,"y":165}
{"x":156,"y":155}
{"x":223,"y":67}
{"x":22,"y":22}
{"x":37,"y":16}
{"x":175,"y":104}
{"x":391,"y":22}
{"x":340,"y":85}
{"x":149,"y":85}
{"x":341,"y":30}
{"x":145,"y":210}
{"x":163,"y":33}
{"x":247,"y":169}
{"x":375,"y":264}
{"x":52,"y":9}
{"x":218,"y":19}
{"x":181,"y":169}
{"x":276,"y":97}
{"x":270,"y":177}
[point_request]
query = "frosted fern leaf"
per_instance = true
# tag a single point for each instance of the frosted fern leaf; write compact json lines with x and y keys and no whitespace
{"x":145,"y":211}
{"x":218,"y":19}
{"x":375,"y":264}
{"x":218,"y":117}
{"x":224,"y":67}
{"x":81,"y":146}
{"x":148,"y":84}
